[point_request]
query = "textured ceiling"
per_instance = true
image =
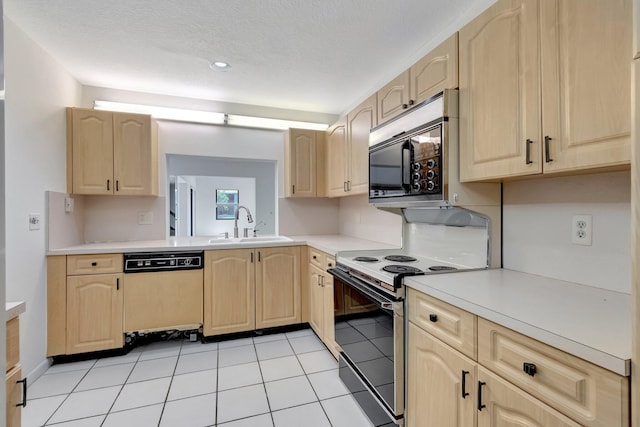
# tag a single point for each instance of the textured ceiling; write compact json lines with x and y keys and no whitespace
{"x":310,"y":55}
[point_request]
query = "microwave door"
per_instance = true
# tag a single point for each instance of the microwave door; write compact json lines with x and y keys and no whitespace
{"x":387,"y":174}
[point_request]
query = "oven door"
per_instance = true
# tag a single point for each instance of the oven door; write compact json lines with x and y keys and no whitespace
{"x":369,"y":331}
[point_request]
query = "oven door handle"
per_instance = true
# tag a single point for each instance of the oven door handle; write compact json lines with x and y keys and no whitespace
{"x":379,"y":300}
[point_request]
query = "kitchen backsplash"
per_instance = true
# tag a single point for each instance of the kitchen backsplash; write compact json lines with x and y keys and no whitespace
{"x":103,"y":219}
{"x":359,"y":219}
{"x":537,"y":228}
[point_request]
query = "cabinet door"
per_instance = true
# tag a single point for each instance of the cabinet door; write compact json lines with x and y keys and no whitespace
{"x":393,"y":98}
{"x":277,"y":286}
{"x":359,"y":124}
{"x":14,"y":397}
{"x":300,"y":161}
{"x":434,"y":386}
{"x":134,"y":154}
{"x":499,"y":93}
{"x":229,"y":291}
{"x":336,"y":164}
{"x":328,"y":319}
{"x":92,"y":151}
{"x":505,"y":405}
{"x":436,"y":71}
{"x":316,"y":305}
{"x":94,"y":313}
{"x":586,"y":82}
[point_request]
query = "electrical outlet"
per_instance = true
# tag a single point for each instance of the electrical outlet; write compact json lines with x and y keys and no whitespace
{"x":145,"y":218}
{"x":581,"y":230}
{"x":34,"y":221}
{"x":68,"y":204}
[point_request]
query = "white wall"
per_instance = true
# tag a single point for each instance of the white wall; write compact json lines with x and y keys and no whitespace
{"x":206,"y":186}
{"x":537,"y":228}
{"x":37,"y":91}
{"x":359,"y":219}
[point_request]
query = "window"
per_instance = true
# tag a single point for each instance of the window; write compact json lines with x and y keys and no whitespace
{"x":226,"y":203}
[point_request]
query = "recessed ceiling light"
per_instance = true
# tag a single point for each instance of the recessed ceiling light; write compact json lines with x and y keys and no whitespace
{"x":219,"y":66}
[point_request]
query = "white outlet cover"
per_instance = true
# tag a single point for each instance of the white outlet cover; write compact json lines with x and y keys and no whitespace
{"x":145,"y":218}
{"x":582,"y":230}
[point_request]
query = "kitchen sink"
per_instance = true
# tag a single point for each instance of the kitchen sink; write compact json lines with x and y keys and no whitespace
{"x":258,"y":239}
{"x":265,"y":239}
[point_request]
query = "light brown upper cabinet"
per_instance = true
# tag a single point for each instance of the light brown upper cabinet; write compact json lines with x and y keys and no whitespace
{"x":336,"y":165}
{"x":436,"y":71}
{"x":545,"y":87}
{"x":111,"y":153}
{"x":352,"y":172}
{"x":304,"y":163}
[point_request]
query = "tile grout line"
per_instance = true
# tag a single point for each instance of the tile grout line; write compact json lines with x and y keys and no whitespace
{"x":164,"y":404}
{"x":121,"y":388}
{"x":308,"y":380}
{"x":69,"y":394}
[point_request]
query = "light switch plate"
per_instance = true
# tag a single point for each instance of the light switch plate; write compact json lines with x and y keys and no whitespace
{"x":34,"y":221}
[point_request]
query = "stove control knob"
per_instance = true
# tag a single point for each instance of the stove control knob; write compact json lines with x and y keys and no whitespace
{"x":431,"y":163}
{"x":431,"y":185}
{"x":417,"y":186}
{"x":417,"y":166}
{"x":417,"y":177}
{"x":431,"y":174}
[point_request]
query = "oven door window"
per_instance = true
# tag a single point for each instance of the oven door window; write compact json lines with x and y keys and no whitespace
{"x":365,"y":333}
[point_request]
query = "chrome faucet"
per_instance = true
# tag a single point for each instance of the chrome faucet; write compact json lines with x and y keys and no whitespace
{"x":235,"y":225}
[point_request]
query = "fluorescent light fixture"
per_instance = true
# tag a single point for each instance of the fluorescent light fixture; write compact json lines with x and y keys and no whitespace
{"x":264,"y":123}
{"x":197,"y":116}
{"x":177,"y":114}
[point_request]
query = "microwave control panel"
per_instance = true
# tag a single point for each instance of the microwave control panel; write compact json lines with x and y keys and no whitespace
{"x":426,"y":176}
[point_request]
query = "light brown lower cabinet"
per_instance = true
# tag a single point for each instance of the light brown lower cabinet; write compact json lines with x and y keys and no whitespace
{"x":247,"y":289}
{"x":505,"y":405}
{"x":446,"y":388}
{"x":15,"y":384}
{"x":94,"y":313}
{"x":435,"y":379}
{"x":515,"y":381}
{"x":14,"y":397}
{"x":321,"y":295}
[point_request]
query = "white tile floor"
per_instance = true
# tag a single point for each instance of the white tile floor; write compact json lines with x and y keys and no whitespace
{"x":281,"y":380}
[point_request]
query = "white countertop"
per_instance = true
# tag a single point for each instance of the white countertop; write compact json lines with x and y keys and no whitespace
{"x":587,"y":322}
{"x":327,"y":243}
{"x":14,"y":309}
{"x":334,"y":243}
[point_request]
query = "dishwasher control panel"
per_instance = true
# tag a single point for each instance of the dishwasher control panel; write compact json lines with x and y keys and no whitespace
{"x":144,"y":262}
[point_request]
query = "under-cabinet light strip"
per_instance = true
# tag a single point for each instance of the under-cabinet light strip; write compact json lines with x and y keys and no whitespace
{"x":197,"y":116}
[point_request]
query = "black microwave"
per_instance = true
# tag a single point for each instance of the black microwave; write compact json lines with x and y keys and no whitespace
{"x":407,"y":157}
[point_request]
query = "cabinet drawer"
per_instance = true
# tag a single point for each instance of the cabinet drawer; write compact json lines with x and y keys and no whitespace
{"x":94,"y":264}
{"x":13,"y":343}
{"x":329,"y":262}
{"x":316,"y":258}
{"x":452,"y":325}
{"x":587,"y":393}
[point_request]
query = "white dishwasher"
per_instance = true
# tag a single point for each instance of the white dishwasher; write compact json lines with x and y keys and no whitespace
{"x":163,"y":291}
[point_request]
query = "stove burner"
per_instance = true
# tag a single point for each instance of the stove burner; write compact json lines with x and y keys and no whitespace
{"x":400,"y":269}
{"x":366,"y":259}
{"x":400,"y":258}
{"x":441,"y":268}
